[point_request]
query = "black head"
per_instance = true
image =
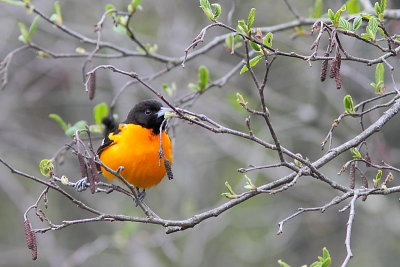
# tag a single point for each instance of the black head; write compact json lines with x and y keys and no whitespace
{"x":147,"y":113}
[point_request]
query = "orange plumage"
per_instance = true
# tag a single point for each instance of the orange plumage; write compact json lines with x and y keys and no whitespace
{"x":137,"y":149}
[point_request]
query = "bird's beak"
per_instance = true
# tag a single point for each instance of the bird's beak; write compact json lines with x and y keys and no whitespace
{"x":166,"y":112}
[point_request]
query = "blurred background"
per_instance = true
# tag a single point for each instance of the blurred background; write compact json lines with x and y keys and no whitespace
{"x":302,"y":110}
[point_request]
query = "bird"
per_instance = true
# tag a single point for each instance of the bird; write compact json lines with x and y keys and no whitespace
{"x":135,"y":145}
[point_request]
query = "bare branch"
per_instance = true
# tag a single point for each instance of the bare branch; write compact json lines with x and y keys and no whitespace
{"x":349,"y":228}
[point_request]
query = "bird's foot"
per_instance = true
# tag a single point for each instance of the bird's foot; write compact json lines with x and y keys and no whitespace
{"x":141,"y":195}
{"x":81,"y":185}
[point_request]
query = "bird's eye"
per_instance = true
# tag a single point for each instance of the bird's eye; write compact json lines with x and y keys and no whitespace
{"x":147,"y":112}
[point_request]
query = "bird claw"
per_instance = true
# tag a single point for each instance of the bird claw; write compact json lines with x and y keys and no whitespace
{"x":81,"y":185}
{"x":141,"y":195}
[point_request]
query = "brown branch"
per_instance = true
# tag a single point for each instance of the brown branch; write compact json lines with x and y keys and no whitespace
{"x":356,"y":115}
{"x":52,"y":186}
{"x":292,"y":9}
{"x":333,"y":202}
{"x":5,"y":64}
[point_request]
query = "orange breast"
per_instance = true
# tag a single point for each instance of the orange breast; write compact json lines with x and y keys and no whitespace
{"x":136,"y":149}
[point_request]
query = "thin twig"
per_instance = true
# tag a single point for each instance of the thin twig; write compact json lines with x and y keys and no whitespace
{"x":349,"y":228}
{"x":292,"y":9}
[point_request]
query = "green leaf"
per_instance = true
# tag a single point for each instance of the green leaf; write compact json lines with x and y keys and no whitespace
{"x":252,"y":62}
{"x":194,"y":87}
{"x":120,"y":29}
{"x":268,"y":39}
{"x":33,"y":27}
{"x":217,"y":11}
{"x":371,"y":34}
{"x":133,"y":5}
{"x":12,"y":2}
{"x":377,"y":178}
{"x":240,"y":99}
{"x":100,"y":111}
{"x":344,"y":24}
{"x":110,"y":7}
{"x":230,"y":194}
{"x":239,"y":39}
{"x":251,"y":17}
{"x":377,"y":7}
{"x":205,"y":4}
{"x":57,"y":16}
{"x":249,"y":184}
{"x":334,"y":17}
{"x":169,"y":90}
{"x":79,"y":125}
{"x":372,"y":28}
{"x":357,"y":23}
{"x":249,"y":187}
{"x":255,"y":46}
{"x":59,"y":121}
{"x":348,"y":104}
{"x":206,"y":7}
{"x":243,"y":26}
{"x":42,"y":54}
{"x":331,"y":15}
{"x":339,"y":13}
{"x":46,"y":167}
{"x":353,"y":6}
{"x":209,"y":14}
{"x":229,"y":187}
{"x":298,"y":163}
{"x":152,"y":47}
{"x":381,"y":32}
{"x":366,"y":16}
{"x":283,"y":264}
{"x":203,"y":77}
{"x":365,"y":36}
{"x":356,"y":154}
{"x":379,"y":88}
{"x":316,"y":264}
{"x":326,"y":262}
{"x":229,"y":41}
{"x":325,"y":253}
{"x":240,"y":30}
{"x":379,"y":11}
{"x":316,"y":11}
{"x":379,"y":83}
{"x":122,"y":20}
{"x":24,"y":37}
{"x":57,"y":8}
{"x":379,"y":73}
{"x":383,"y":5}
{"x":233,"y":40}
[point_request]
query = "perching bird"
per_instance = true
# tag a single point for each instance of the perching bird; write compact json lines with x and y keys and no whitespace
{"x":135,"y":145}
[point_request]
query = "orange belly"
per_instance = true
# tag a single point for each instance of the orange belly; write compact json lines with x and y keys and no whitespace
{"x":137,"y":150}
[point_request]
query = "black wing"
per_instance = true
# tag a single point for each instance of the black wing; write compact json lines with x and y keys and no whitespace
{"x":111,"y":126}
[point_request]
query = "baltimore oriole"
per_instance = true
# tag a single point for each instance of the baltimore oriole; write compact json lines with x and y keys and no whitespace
{"x":135,"y":145}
